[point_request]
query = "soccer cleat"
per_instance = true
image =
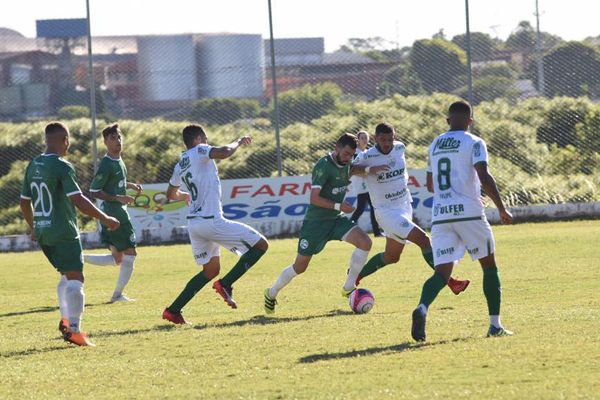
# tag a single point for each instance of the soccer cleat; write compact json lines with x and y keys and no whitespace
{"x":270,"y":303}
{"x":347,"y":293}
{"x":174,"y":317}
{"x":418,"y":325}
{"x":120,"y":298}
{"x":493,"y":331}
{"x":63,"y":325}
{"x":458,"y":285}
{"x":78,"y":338}
{"x":225,"y":292}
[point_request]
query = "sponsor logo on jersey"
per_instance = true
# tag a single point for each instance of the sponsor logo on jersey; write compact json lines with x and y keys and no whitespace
{"x":201,"y":150}
{"x":132,"y":238}
{"x":446,"y":144}
{"x":304,"y":244}
{"x":338,"y":190}
{"x":42,"y":224}
{"x":399,"y":146}
{"x":473,"y":251}
{"x":396,"y":194}
{"x":453,"y":209}
{"x":372,"y":155}
{"x":477,"y":149}
{"x":184,"y":163}
{"x":445,"y":195}
{"x":200,"y":255}
{"x":404,"y":224}
{"x":392,"y":163}
{"x":443,"y":252}
{"x":121,"y":183}
{"x":384,"y":176}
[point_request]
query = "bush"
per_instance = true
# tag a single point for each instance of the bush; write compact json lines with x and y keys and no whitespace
{"x":73,"y":112}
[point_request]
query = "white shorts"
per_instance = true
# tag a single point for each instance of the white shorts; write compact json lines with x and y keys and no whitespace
{"x":207,"y":235}
{"x":452,"y":239}
{"x":396,"y":223}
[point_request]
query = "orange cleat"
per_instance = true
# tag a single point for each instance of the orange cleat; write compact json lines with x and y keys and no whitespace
{"x":458,"y":285}
{"x":174,"y":317}
{"x":226,"y":293}
{"x":78,"y":338}
{"x":63,"y":325}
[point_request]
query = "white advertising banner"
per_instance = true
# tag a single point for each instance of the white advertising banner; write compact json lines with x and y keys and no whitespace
{"x":275,"y":206}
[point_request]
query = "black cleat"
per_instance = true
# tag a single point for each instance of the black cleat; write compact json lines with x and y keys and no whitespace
{"x":418,"y":325}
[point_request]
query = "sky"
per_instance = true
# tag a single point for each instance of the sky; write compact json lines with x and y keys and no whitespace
{"x":397,"y":21}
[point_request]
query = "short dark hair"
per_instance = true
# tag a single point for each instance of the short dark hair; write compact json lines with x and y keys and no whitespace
{"x":347,"y":139}
{"x":112,"y":128}
{"x":384,"y":127}
{"x":56,"y":127}
{"x":460,"y":108}
{"x":362,"y":133}
{"x":191,"y":132}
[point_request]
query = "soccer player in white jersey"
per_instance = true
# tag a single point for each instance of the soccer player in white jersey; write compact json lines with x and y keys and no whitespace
{"x":393,"y":204}
{"x":207,"y":227}
{"x":456,"y":172}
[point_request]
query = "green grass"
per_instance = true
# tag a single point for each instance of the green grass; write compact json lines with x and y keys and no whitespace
{"x":315,"y":347}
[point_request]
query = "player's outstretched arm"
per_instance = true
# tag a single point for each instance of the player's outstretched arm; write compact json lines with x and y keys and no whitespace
{"x":102,"y":195}
{"x":358,"y":170}
{"x":488,"y":183}
{"x":317,"y":200}
{"x":227,"y":151}
{"x":88,"y":208}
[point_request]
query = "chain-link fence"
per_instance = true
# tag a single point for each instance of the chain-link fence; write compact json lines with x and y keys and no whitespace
{"x":535,"y":96}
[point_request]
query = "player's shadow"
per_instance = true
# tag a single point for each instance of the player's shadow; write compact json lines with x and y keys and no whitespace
{"x":39,"y":310}
{"x":31,"y":352}
{"x":262,"y":320}
{"x":397,"y":348}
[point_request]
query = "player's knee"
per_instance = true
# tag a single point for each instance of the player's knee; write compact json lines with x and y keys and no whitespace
{"x":211,"y":273}
{"x":300,"y":268}
{"x":366,"y":244}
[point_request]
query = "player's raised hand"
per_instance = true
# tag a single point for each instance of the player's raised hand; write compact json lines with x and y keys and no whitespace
{"x":346,"y":207}
{"x":244,"y":140}
{"x":125,"y":199}
{"x":137,"y":187}
{"x":379,"y":168}
{"x":112,"y":223}
{"x":506,"y":217}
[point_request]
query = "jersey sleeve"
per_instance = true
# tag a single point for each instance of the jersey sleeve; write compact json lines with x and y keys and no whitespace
{"x":204,"y":152}
{"x":319,"y":175}
{"x":175,"y":180}
{"x":26,"y":188}
{"x":480,"y":154}
{"x":100,"y":178}
{"x":69,"y":182}
{"x":359,"y":160}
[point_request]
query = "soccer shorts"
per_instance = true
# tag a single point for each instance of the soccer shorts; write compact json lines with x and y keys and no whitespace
{"x":122,"y":239}
{"x":208,"y":234}
{"x":315,"y":233}
{"x":65,"y":256}
{"x":396,"y":223}
{"x":451,"y":240}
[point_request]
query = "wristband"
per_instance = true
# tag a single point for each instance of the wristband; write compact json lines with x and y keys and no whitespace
{"x":367,"y":169}
{"x":337,"y":206}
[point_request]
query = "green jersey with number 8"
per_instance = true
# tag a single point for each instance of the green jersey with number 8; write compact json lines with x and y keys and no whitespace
{"x":457,"y":190}
{"x":49,"y":181}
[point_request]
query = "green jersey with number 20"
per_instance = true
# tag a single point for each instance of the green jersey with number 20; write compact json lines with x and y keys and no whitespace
{"x":333,"y":180}
{"x":457,"y":191}
{"x":49,"y":181}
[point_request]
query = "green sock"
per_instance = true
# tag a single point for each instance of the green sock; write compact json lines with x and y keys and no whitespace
{"x":244,"y":264}
{"x":431,"y":288}
{"x":492,"y":288}
{"x":193,"y":287}
{"x":376,"y":262}
{"x":428,"y":256}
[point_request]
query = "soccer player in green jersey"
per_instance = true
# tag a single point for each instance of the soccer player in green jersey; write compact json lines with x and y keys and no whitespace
{"x":48,"y":199}
{"x":110,"y":185}
{"x":324,"y":220}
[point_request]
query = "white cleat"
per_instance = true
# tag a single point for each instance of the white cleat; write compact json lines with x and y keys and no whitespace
{"x":120,"y":298}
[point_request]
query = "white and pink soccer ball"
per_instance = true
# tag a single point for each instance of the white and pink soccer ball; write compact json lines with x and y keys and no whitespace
{"x":362,"y":301}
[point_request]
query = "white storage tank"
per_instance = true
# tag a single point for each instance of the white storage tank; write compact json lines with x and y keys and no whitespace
{"x":167,"y":67}
{"x":231,"y":65}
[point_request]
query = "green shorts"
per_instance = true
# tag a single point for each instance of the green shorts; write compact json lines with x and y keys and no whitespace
{"x":122,"y":239}
{"x":66,"y":256}
{"x":315,"y":233}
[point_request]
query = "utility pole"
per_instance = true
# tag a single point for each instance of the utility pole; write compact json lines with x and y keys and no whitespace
{"x":469,"y":69}
{"x":538,"y":46}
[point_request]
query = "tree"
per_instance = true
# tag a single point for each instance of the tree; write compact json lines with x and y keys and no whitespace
{"x":402,"y":80}
{"x":308,"y":102}
{"x":482,"y":45}
{"x":572,"y":69}
{"x":440,"y":65}
{"x":73,"y":112}
{"x":503,"y":70}
{"x":489,"y":88}
{"x":523,"y":39}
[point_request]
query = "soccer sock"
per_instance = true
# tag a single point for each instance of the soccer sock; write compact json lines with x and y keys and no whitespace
{"x":62,"y":299}
{"x":245,"y":262}
{"x":492,"y":288}
{"x":103,"y":259}
{"x":286,"y":277}
{"x":75,"y":301}
{"x":357,"y":262}
{"x":376,"y":262}
{"x":428,"y":256}
{"x":124,"y":274}
{"x":188,"y":293}
{"x":495,"y":321}
{"x":431,"y":288}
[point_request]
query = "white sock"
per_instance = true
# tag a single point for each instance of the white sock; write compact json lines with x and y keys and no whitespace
{"x":286,"y":277}
{"x":422,"y":308}
{"x":75,"y":303}
{"x":124,"y":275}
{"x":357,"y":262}
{"x":495,"y":320}
{"x":62,"y":299}
{"x":96,"y":259}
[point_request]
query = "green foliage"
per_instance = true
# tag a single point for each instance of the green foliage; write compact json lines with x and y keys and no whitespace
{"x":308,"y":102}
{"x":217,"y":111}
{"x":491,"y":87}
{"x":439,"y":64}
{"x":73,"y":112}
{"x":572,"y":69}
{"x":502,"y":70}
{"x":561,"y":115}
{"x":523,"y":39}
{"x":401,"y":80}
{"x":482,"y":45}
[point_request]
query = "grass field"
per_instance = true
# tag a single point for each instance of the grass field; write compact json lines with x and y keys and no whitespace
{"x":315,"y":347}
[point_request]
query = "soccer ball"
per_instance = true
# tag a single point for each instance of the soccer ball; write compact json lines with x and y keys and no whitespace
{"x":361,"y":301}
